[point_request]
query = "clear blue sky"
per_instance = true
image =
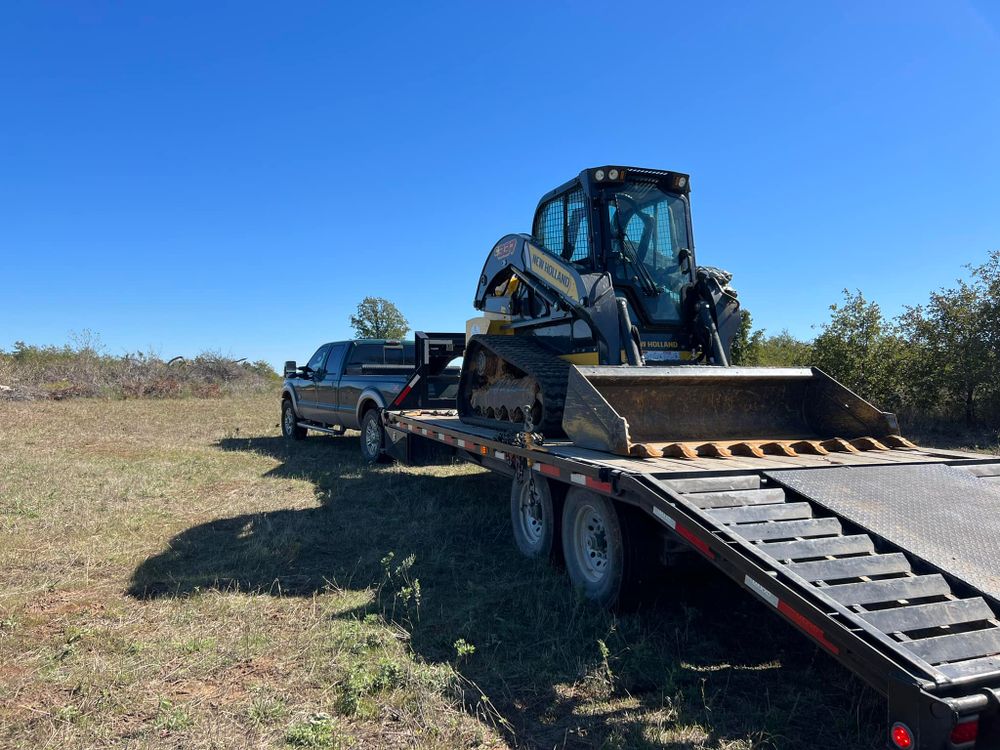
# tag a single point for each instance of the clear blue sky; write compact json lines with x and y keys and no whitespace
{"x":236,"y":176}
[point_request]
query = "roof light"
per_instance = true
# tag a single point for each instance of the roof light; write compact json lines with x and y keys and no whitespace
{"x":681,"y":181}
{"x":966,"y":731}
{"x":901,"y":736}
{"x":613,"y":174}
{"x":599,"y":175}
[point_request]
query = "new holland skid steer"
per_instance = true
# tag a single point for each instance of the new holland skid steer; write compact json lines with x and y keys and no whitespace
{"x":601,"y":326}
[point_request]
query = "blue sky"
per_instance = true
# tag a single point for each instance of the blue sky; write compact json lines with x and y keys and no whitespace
{"x":236,"y":176}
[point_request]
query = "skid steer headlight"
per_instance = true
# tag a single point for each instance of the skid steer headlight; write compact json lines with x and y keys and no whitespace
{"x":613,"y":174}
{"x":680,"y":181}
{"x":599,"y":175}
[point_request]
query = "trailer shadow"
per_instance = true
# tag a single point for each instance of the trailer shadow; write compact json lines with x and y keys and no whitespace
{"x":699,"y":664}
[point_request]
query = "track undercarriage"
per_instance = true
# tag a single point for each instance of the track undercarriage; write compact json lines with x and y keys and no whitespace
{"x":511,"y":382}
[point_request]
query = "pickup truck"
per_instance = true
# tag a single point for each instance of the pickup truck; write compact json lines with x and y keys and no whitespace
{"x":346,"y":385}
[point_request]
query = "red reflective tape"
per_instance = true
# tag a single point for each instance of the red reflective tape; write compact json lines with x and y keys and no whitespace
{"x":597,"y":484}
{"x":696,"y":542}
{"x":552,"y":471}
{"x":807,"y":625}
{"x":472,"y":447}
{"x":402,"y":394}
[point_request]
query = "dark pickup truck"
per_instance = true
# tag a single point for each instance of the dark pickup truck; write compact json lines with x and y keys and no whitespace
{"x":346,"y":385}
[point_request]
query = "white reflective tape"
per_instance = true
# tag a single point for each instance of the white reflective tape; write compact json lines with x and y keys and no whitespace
{"x":413,"y":380}
{"x":537,"y":466}
{"x":664,"y":517}
{"x":501,"y":455}
{"x":461,"y":443}
{"x":578,"y":478}
{"x":423,"y":430}
{"x":762,"y":592}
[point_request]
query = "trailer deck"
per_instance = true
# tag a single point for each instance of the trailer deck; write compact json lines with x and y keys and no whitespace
{"x":888,"y":559}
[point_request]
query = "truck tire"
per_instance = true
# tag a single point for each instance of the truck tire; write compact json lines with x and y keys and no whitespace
{"x":290,"y":429}
{"x":534,"y":517}
{"x":593,"y":543}
{"x":373,"y":437}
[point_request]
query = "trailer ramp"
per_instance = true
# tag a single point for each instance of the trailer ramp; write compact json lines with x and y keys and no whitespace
{"x":907,"y":553}
{"x":943,"y":514}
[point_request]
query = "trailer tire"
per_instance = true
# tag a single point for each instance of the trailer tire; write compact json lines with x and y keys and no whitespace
{"x":593,"y":542}
{"x":290,"y":429}
{"x":373,"y":438}
{"x":534,"y":517}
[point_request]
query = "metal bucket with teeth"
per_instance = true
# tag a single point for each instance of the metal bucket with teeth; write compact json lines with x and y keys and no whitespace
{"x":698,"y":411}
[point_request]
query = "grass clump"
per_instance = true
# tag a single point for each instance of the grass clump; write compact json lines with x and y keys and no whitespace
{"x":317,"y":731}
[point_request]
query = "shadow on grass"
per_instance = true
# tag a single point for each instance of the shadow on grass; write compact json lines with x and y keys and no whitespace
{"x":700,"y":664}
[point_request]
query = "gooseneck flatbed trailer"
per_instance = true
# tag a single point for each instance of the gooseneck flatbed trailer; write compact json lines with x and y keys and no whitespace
{"x":887,"y":559}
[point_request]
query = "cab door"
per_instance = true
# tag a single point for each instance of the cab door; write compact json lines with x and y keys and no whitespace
{"x":305,"y":388}
{"x":328,"y":385}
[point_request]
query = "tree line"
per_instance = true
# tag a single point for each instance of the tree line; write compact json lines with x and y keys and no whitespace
{"x":936,"y":364}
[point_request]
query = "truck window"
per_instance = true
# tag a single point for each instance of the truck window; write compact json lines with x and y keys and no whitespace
{"x":317,"y":360}
{"x":393,"y":354}
{"x":336,"y":359}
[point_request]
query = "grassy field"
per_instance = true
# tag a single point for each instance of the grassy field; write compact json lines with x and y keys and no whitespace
{"x":172,"y":574}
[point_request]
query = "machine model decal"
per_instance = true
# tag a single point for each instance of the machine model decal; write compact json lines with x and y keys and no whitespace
{"x":504,"y":249}
{"x":546,"y":266}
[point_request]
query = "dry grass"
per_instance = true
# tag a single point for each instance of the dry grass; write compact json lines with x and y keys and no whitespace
{"x":173,"y":575}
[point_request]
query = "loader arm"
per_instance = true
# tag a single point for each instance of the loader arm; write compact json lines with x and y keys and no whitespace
{"x":519,"y":275}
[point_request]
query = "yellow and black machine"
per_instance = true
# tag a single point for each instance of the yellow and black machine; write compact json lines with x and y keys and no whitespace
{"x":601,"y":326}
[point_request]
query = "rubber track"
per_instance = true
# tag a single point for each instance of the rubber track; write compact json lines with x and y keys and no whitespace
{"x":549,"y":371}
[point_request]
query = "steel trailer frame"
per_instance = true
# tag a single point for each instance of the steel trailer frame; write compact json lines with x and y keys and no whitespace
{"x":929,"y":702}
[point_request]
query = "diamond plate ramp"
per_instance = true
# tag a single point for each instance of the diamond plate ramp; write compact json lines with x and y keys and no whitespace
{"x":946,"y":516}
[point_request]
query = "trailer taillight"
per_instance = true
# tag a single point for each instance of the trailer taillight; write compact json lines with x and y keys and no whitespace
{"x":901,"y":736}
{"x":966,"y":731}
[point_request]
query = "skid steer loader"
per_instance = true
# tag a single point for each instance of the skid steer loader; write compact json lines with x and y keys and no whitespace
{"x":601,"y":327}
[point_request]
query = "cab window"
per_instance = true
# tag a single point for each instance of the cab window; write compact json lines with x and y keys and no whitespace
{"x":319,"y":358}
{"x":336,"y":359}
{"x":379,"y":354}
{"x":563,"y":228}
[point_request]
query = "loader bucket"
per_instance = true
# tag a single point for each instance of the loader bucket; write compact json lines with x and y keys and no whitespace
{"x":691,"y":411}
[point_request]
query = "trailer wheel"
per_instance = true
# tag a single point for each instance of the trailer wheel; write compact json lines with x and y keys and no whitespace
{"x":533,"y":517}
{"x":593,"y":546}
{"x":290,"y":429}
{"x":373,"y":437}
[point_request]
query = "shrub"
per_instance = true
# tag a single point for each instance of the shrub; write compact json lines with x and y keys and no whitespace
{"x":82,"y":369}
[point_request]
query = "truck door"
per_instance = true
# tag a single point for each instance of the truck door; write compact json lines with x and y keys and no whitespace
{"x":305,"y":388}
{"x":327,"y":386}
{"x":356,"y":380}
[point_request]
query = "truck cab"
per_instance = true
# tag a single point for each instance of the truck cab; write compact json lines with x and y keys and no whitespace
{"x":345,"y":385}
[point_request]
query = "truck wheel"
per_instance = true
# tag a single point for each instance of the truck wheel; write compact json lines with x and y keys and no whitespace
{"x":593,"y":546}
{"x":289,"y":422}
{"x":373,"y":437}
{"x":533,"y":517}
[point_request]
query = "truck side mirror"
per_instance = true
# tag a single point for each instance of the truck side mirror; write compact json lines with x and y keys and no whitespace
{"x":290,"y":368}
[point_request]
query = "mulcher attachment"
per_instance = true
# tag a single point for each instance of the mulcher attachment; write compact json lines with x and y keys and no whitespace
{"x":693,"y":411}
